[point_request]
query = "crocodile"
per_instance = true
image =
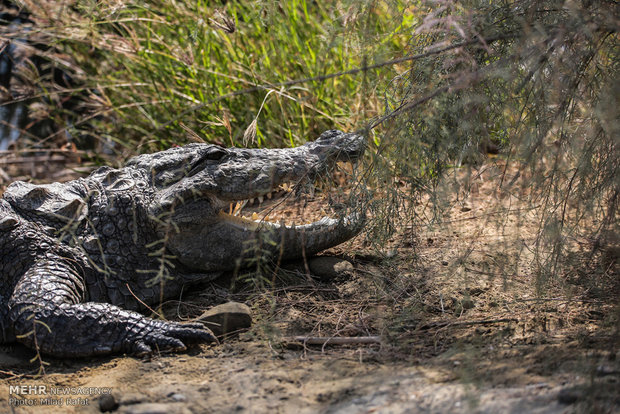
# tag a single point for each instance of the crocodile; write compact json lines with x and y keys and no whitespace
{"x":82,"y":260}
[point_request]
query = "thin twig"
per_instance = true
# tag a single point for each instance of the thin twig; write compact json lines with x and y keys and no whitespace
{"x":10,"y":374}
{"x":140,"y":300}
{"x":467,"y":323}
{"x":340,"y":340}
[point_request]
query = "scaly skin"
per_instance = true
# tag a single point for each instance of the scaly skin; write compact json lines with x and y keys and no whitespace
{"x":80,"y":259}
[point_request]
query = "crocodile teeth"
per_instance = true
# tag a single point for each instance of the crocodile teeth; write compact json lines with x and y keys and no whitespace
{"x":238,"y":207}
{"x":242,"y":221}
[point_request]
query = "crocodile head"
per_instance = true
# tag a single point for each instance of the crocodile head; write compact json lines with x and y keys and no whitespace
{"x":196,"y":184}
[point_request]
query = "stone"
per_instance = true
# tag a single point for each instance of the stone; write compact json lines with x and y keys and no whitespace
{"x":227,"y":318}
{"x":178,"y":397}
{"x":107,"y":402}
{"x":467,"y":303}
{"x":568,"y":396}
{"x":326,"y":268}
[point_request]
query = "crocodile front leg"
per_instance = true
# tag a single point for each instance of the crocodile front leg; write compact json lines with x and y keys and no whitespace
{"x":48,"y":312}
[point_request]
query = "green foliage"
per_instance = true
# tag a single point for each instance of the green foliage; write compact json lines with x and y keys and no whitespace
{"x":163,"y":68}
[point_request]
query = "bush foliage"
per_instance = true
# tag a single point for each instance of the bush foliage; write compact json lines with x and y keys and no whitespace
{"x":434,"y":85}
{"x":536,"y":79}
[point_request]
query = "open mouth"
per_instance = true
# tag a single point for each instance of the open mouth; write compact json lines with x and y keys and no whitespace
{"x":282,"y":207}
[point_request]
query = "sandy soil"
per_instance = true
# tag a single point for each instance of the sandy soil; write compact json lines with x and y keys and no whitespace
{"x":456,"y":306}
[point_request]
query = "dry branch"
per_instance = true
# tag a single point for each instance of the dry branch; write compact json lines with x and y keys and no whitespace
{"x":339,"y":340}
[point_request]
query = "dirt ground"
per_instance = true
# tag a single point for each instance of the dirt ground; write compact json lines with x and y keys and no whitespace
{"x":462,"y":325}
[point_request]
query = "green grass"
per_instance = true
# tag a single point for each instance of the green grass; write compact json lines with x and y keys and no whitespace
{"x":164,"y":68}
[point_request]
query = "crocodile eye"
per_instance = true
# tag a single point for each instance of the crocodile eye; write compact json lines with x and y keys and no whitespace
{"x":215,"y":153}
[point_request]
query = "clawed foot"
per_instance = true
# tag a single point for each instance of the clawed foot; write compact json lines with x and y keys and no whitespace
{"x":169,"y":336}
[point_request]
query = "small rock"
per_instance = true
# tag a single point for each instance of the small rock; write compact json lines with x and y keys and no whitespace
{"x":467,"y":303}
{"x":568,"y":396}
{"x":444,"y":263}
{"x":107,"y":402}
{"x":178,"y":397}
{"x":604,"y":370}
{"x":324,"y":397}
{"x":465,"y":209}
{"x":227,"y":318}
{"x":327,"y":267}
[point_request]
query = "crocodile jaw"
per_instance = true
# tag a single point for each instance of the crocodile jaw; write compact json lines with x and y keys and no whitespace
{"x":231,"y":240}
{"x":193,"y":188}
{"x":241,"y":173}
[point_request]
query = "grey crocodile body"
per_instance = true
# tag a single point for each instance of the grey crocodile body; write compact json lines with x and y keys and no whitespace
{"x":81,"y":259}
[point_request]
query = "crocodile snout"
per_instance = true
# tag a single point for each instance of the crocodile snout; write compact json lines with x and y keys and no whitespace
{"x":342,"y":146}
